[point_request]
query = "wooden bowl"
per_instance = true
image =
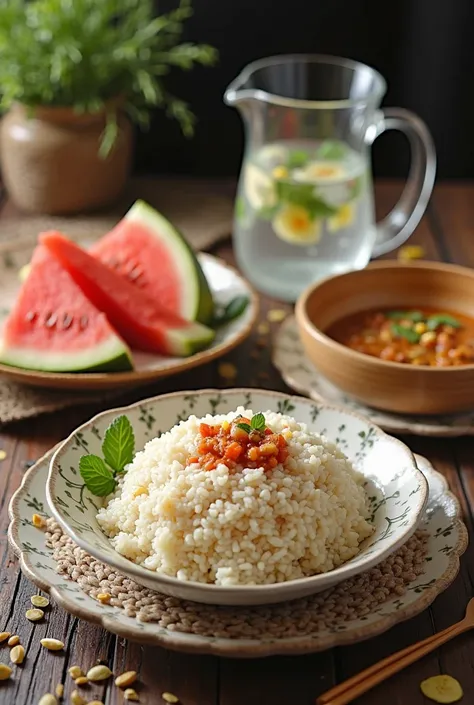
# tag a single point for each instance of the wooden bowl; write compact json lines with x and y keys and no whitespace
{"x":386,"y":385}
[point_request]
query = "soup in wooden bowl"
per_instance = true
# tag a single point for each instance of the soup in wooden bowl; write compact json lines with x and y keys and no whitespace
{"x":396,"y":336}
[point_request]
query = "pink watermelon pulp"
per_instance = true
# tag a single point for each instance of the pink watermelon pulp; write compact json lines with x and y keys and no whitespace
{"x":152,"y":254}
{"x":53,"y":327}
{"x":142,"y":322}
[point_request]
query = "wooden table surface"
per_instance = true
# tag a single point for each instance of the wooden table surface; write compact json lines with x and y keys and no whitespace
{"x":447,"y":233}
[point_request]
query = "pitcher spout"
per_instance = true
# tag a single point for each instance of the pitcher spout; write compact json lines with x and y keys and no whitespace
{"x":239,"y":91}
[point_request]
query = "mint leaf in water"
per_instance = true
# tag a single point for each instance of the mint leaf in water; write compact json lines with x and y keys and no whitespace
{"x":331,"y":149}
{"x":258,"y":422}
{"x":297,"y":158}
{"x":96,"y":475}
{"x":118,"y":446}
{"x":304,"y":195}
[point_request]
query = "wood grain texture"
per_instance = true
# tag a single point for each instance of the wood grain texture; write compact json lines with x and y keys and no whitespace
{"x":445,"y":233}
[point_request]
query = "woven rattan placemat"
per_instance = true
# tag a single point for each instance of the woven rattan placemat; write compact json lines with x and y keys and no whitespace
{"x":351,"y":599}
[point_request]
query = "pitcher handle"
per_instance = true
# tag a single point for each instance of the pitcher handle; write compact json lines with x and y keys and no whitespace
{"x":398,"y":225}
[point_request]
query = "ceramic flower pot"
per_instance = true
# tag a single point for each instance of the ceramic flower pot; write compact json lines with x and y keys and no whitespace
{"x":51,"y":164}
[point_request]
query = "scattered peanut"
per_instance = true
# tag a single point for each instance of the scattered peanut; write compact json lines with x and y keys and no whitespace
{"x":38,"y":521}
{"x":99,"y":673}
{"x":5,"y":672}
{"x":95,"y":702}
{"x":3,"y":455}
{"x":4,"y":636}
{"x":104,"y":597}
{"x":76,"y":698}
{"x":81,"y":680}
{"x":52,"y":644}
{"x":131,"y":695}
{"x":59,"y":690}
{"x":13,"y":640}
{"x":39,"y":601}
{"x":34,"y":615}
{"x":410,"y":252}
{"x":125,"y":679}
{"x":17,"y":654}
{"x":75,"y":672}
{"x":48,"y":699}
{"x":170,"y":698}
{"x":263,"y":328}
{"x":227,"y":370}
{"x":276,"y":315}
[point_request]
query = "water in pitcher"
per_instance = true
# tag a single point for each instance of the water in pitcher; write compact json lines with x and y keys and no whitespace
{"x":304,"y":211}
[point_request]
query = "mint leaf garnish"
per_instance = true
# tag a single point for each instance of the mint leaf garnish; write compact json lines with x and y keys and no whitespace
{"x":442,"y":319}
{"x":245,"y":427}
{"x":119,"y":444}
{"x":257,"y":422}
{"x":415,"y":316}
{"x":96,"y":475}
{"x":407,"y":333}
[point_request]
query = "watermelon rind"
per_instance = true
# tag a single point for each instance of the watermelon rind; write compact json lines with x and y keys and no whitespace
{"x":197,"y":296}
{"x":184,"y":342}
{"x":111,"y":355}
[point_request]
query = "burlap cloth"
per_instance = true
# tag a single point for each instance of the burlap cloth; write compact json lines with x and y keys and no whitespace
{"x":352,"y":599}
{"x":201,"y":209}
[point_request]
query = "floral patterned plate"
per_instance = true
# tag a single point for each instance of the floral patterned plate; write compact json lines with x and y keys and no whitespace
{"x":225,"y":283}
{"x":300,"y":374}
{"x":396,"y":489}
{"x":442,"y":520}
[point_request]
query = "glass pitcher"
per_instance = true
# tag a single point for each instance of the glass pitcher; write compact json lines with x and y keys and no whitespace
{"x":304,"y":208}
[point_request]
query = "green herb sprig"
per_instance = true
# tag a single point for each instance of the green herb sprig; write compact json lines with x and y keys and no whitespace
{"x":415,"y":316}
{"x":442,"y":319}
{"x":404,"y":332}
{"x":230,"y":311}
{"x":118,"y":448}
{"x":85,"y":53}
{"x":257,"y":423}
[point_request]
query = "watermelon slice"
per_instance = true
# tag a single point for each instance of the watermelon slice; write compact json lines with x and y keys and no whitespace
{"x":143,"y":323}
{"x":151,"y":253}
{"x":53,"y":327}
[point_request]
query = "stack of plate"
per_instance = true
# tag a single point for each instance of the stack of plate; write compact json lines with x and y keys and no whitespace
{"x":406,"y":493}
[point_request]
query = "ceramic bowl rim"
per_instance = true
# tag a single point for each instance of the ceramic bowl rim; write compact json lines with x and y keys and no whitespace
{"x":169,"y":640}
{"x":342,"y":572}
{"x":304,"y":321}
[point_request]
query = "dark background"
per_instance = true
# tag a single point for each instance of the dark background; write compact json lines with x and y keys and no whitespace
{"x":424,"y":48}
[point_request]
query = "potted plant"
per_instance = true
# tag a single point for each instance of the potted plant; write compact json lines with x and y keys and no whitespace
{"x":72,"y":75}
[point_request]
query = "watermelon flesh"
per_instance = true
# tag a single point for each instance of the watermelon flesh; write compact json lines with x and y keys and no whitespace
{"x":152,"y":254}
{"x":53,"y":327}
{"x":143,"y":323}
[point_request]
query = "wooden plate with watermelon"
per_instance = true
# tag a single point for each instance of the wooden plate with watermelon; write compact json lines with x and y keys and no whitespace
{"x":134,"y":306}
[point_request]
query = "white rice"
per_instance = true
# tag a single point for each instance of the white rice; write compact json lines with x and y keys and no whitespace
{"x":241,"y":526}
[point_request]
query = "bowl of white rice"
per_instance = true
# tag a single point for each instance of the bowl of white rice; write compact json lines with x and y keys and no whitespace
{"x":240,"y":496}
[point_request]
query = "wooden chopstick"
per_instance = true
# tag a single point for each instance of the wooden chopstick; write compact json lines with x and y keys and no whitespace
{"x":328,"y":697}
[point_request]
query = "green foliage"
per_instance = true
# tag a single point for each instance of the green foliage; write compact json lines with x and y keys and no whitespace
{"x":84,"y":53}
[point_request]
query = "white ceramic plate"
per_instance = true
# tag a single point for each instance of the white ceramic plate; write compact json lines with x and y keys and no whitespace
{"x":396,"y":489}
{"x":225,"y":283}
{"x":300,"y":374}
{"x":446,"y":543}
